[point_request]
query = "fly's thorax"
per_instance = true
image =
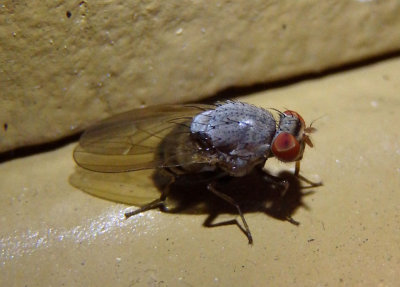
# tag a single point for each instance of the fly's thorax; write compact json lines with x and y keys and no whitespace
{"x":239,"y":134}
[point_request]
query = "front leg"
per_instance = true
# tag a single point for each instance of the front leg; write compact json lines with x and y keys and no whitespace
{"x":297,"y":174}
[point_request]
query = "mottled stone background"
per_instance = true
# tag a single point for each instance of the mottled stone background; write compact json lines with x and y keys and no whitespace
{"x":66,"y":64}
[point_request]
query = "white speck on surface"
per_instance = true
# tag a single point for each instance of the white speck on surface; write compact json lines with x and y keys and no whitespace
{"x":315,"y":177}
{"x":179,"y":31}
{"x":374,"y":104}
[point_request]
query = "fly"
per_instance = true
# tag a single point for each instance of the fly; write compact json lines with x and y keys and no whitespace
{"x":227,"y":139}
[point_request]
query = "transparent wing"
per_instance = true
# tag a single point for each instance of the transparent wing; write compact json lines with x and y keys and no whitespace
{"x":130,"y":141}
{"x":136,"y":188}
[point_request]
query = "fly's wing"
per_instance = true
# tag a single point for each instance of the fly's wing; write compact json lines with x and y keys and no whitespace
{"x":129,"y":141}
{"x":134,"y":188}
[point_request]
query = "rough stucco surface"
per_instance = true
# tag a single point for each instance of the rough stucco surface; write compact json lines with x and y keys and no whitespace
{"x":65,"y":64}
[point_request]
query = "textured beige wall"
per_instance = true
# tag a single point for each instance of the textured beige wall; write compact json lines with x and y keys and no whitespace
{"x":65,"y":64}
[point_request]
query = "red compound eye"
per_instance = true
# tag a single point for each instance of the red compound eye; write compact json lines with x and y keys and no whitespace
{"x":296,"y":115}
{"x":285,"y":147}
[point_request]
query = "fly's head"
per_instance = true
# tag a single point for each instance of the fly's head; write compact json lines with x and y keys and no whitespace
{"x":291,"y":137}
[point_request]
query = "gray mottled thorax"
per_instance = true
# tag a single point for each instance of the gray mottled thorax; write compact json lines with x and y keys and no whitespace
{"x":239,"y":132}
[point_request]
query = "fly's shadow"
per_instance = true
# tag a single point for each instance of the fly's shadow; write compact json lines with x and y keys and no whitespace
{"x":255,"y":192}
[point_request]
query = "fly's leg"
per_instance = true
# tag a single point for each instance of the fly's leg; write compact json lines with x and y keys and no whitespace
{"x":311,"y":183}
{"x":297,"y":174}
{"x":158,"y":203}
{"x":152,"y":205}
{"x":282,"y":183}
{"x":297,"y":169}
{"x":232,"y":202}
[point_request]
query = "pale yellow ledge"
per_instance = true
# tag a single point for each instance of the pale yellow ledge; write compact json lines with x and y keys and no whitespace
{"x":53,"y":234}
